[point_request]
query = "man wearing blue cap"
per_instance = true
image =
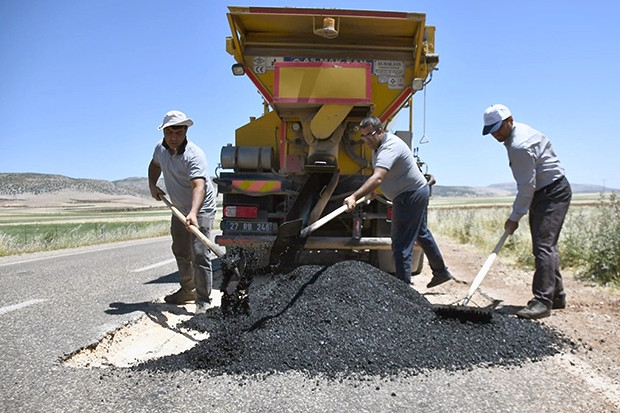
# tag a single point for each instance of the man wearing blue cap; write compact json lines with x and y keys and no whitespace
{"x":544,"y":191}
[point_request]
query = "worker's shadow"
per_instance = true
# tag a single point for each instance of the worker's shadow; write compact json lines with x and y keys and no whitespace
{"x":147,"y":307}
{"x":156,"y":311}
{"x":508,"y":309}
{"x":172,"y":278}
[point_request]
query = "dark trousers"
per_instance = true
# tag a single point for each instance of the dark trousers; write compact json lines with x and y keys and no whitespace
{"x":409,"y":211}
{"x":546,"y":216}
{"x":192,"y":257}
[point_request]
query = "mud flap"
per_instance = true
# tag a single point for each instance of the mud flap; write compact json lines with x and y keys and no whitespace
{"x":310,"y":202}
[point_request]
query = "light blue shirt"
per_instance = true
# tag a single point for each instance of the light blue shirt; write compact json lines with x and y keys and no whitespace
{"x":534,"y":165}
{"x":403,"y":173}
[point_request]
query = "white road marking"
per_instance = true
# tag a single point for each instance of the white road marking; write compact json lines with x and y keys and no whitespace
{"x":9,"y":308}
{"x":87,"y":250}
{"x":598,"y":383}
{"x":69,"y":254}
{"x":157,"y":264}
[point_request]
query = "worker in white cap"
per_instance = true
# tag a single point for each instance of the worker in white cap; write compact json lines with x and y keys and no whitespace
{"x":544,"y":192}
{"x":190,"y":189}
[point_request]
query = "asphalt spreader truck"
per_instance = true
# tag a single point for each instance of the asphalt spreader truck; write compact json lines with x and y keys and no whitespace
{"x":319,"y":73}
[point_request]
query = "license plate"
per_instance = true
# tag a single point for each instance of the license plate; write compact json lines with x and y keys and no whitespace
{"x":244,"y":227}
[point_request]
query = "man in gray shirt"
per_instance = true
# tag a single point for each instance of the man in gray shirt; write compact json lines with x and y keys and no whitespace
{"x":544,"y":191}
{"x":184,"y":166}
{"x":396,"y":172}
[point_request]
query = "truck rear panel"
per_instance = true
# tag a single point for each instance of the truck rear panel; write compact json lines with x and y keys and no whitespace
{"x":320,"y":72}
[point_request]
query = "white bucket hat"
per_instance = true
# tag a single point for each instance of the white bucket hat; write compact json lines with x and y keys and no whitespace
{"x":174,"y":117}
{"x":493,"y":118}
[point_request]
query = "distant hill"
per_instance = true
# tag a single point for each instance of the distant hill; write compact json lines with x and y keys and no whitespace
{"x":17,"y":184}
{"x":468,"y":191}
{"x":511,"y":187}
{"x":505,"y":189}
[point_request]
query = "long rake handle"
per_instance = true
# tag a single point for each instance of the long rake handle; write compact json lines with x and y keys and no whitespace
{"x":210,"y":244}
{"x":485,"y":268}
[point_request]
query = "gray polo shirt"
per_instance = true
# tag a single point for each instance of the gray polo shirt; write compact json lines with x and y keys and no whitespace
{"x":534,"y":165}
{"x":179,"y":170}
{"x":403,"y":173}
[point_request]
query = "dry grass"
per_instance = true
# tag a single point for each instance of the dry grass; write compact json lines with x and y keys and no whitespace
{"x":589,"y":242}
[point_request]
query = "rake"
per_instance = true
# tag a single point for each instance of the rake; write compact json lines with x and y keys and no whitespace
{"x":462,"y":311}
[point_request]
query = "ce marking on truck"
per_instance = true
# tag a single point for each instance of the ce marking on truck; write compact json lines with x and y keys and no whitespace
{"x":264,"y":63}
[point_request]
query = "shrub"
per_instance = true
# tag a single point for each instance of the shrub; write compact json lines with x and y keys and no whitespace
{"x":589,"y":241}
{"x":602,"y":242}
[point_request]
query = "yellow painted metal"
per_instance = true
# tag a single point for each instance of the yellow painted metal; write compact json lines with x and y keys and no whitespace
{"x":322,"y":83}
{"x":326,"y":85}
{"x":327,"y":119}
{"x":261,"y":131}
{"x":256,"y":186}
{"x":391,"y":41}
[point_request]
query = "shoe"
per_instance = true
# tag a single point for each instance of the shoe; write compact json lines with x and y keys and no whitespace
{"x":202,"y":306}
{"x":534,"y":310}
{"x":180,"y":297}
{"x":439,"y":279}
{"x":559,"y":302}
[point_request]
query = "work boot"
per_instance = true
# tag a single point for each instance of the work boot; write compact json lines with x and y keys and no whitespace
{"x":202,"y":306}
{"x":559,"y":302}
{"x":182,"y":296}
{"x":534,"y":310}
{"x":439,"y":279}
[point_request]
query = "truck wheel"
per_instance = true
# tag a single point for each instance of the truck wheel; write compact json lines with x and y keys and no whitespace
{"x":384,"y":260}
{"x":417,"y":263}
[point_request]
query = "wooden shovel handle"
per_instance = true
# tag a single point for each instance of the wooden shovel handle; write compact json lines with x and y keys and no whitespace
{"x":322,"y":221}
{"x":210,"y":244}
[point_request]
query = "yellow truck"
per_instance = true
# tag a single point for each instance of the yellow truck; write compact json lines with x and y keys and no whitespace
{"x":319,"y":72}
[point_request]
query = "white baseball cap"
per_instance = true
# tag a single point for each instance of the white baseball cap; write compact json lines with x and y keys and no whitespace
{"x":493,"y":118}
{"x":174,"y":117}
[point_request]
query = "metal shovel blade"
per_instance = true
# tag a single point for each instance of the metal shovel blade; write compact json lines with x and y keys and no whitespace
{"x":292,"y":238}
{"x":287,"y":241}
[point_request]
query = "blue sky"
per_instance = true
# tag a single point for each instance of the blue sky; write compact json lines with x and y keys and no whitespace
{"x":85,"y":84}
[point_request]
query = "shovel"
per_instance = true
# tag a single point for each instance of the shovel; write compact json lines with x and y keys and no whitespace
{"x":230,"y":269}
{"x":194,"y":229}
{"x":292,"y":238}
{"x":476,"y":314}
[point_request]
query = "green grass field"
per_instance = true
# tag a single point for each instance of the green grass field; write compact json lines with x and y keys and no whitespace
{"x":590,"y":239}
{"x":35,"y":229}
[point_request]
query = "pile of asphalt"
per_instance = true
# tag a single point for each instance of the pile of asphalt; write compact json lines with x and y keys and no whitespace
{"x":351,"y":320}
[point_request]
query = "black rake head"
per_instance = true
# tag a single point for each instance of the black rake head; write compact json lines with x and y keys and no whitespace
{"x":464,"y":313}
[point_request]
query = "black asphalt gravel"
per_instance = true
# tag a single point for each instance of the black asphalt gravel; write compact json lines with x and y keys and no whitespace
{"x":351,"y":320}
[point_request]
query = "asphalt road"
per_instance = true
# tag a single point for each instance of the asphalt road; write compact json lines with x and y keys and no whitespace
{"x":53,"y":304}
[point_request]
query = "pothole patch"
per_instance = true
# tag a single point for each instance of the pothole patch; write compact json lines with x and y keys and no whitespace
{"x":151,"y":336}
